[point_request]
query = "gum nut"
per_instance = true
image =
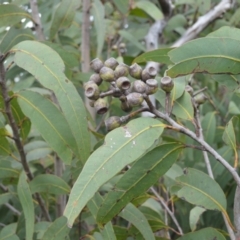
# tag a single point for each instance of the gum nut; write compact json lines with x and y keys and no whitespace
{"x":96,"y":78}
{"x":121,"y":70}
{"x":151,"y":90}
{"x":123,"y":83}
{"x":139,"y":86}
{"x":135,"y":71}
{"x":200,"y":98}
{"x":91,"y":90}
{"x":107,"y":74}
{"x":189,"y":89}
{"x":112,"y":123}
{"x":166,"y":84}
{"x":96,"y":65}
{"x":101,"y":106}
{"x":126,"y":107}
{"x":111,"y":63}
{"x":135,"y":99}
{"x":152,"y":82}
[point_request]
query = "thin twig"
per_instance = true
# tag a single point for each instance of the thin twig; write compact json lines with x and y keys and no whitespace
{"x":37,"y":20}
{"x":12,"y":123}
{"x":13,"y":209}
{"x":199,"y":91}
{"x":168,"y":210}
{"x":209,"y":168}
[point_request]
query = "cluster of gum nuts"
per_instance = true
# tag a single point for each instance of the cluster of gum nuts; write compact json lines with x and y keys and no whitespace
{"x":130,"y":94}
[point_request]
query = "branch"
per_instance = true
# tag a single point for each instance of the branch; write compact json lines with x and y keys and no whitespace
{"x":236,"y":212}
{"x":16,"y":136}
{"x":203,"y":21}
{"x":37,"y":20}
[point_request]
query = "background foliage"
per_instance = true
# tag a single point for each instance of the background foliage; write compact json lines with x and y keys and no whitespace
{"x":125,"y":187}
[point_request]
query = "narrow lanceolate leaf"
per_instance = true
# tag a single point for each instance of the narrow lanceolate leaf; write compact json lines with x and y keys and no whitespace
{"x":50,"y":122}
{"x":47,"y":67}
{"x":9,"y":232}
{"x":199,"y":189}
{"x":137,"y":218}
{"x":99,"y":23}
{"x":159,"y":55}
{"x":183,"y":107}
{"x":58,"y":230}
{"x":4,"y":146}
{"x":49,"y":183}
{"x":218,"y":55}
{"x":209,"y":126}
{"x":122,"y":6}
{"x":194,"y":217}
{"x":108,"y":232}
{"x":63,"y":16}
{"x":5,"y":197}
{"x":122,"y":146}
{"x":142,"y":175}
{"x":14,"y":36}
{"x":11,"y":14}
{"x":206,"y":233}
{"x":150,"y":8}
{"x":230,"y":139}
{"x":7,"y":171}
{"x":25,"y":197}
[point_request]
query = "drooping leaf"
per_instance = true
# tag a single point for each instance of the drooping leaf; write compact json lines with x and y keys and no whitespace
{"x":40,"y":228}
{"x":26,"y":200}
{"x":14,"y":36}
{"x":122,"y":146}
{"x":206,"y":233}
{"x":50,"y":122}
{"x":47,"y":67}
{"x":5,"y":197}
{"x":218,"y":55}
{"x":4,"y":146}
{"x":194,"y":217}
{"x":150,"y":8}
{"x":142,"y":175}
{"x":11,"y":14}
{"x":183,"y":107}
{"x":63,"y":16}
{"x":159,"y":55}
{"x":128,"y":36}
{"x":58,"y":230}
{"x":7,"y":171}
{"x":199,"y":189}
{"x":22,"y":121}
{"x":50,"y":184}
{"x":9,"y":232}
{"x":209,"y":126}
{"x":108,"y":232}
{"x":122,"y":5}
{"x":134,"y":216}
{"x":99,"y":23}
{"x":229,"y":138}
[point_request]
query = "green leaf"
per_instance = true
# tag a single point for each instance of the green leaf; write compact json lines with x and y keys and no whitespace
{"x":7,"y":171}
{"x":11,"y":14}
{"x":233,"y":108}
{"x":150,"y":8}
{"x":14,"y":36}
{"x":134,"y":216}
{"x":122,"y":146}
{"x":58,"y":230}
{"x":108,"y":232}
{"x":22,"y":121}
{"x":50,"y":184}
{"x":218,"y":55}
{"x":26,"y":200}
{"x":63,"y":16}
{"x":209,"y":126}
{"x":4,"y":146}
{"x":128,"y":36}
{"x":199,"y":189}
{"x":122,"y":5}
{"x":142,"y":175}
{"x":194,"y":217}
{"x":46,"y":65}
{"x":40,"y":229}
{"x":159,"y":55}
{"x":206,"y":233}
{"x":5,"y":197}
{"x":50,"y":122}
{"x":230,"y":139}
{"x":228,"y":32}
{"x":9,"y":232}
{"x":99,"y":23}
{"x":183,"y":107}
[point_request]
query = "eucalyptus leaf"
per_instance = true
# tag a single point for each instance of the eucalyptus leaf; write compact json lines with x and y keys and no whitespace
{"x":122,"y":146}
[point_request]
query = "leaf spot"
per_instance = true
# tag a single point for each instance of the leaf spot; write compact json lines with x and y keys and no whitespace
{"x":127,"y":134}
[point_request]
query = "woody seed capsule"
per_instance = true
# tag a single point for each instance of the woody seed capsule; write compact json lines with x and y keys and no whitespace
{"x":91,"y":90}
{"x":135,"y":71}
{"x":96,"y":65}
{"x":166,"y":84}
{"x":107,"y":74}
{"x":111,"y":63}
{"x":101,"y":106}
